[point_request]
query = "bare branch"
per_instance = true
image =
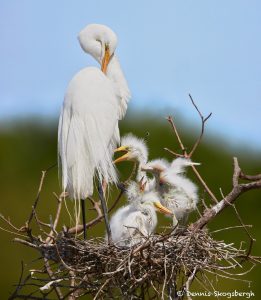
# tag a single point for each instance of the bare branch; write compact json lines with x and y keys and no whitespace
{"x":58,"y":212}
{"x":250,"y":177}
{"x":79,"y":228}
{"x":37,"y":198}
{"x":52,"y":277}
{"x":203,"y":121}
{"x":170,"y":120}
{"x":238,"y":189}
{"x":183,"y":149}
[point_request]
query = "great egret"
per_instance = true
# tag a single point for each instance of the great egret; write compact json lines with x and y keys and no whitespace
{"x":88,"y":127}
{"x":178,"y":193}
{"x":136,"y":221}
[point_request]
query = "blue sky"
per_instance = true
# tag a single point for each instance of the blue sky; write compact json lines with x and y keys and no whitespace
{"x":211,"y":49}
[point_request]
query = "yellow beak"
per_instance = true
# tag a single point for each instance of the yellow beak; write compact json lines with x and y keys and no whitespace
{"x":162,"y":208}
{"x":120,"y":149}
{"x":106,"y":59}
{"x":122,"y":158}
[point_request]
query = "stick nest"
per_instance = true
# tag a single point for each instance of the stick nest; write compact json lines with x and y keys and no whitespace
{"x":151,"y":267}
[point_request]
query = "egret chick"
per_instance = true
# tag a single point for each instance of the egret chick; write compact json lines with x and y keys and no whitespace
{"x":133,"y":223}
{"x":156,"y":167}
{"x":177,"y":192}
{"x":135,"y":150}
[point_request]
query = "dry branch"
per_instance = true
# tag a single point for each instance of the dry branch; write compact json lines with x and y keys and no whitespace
{"x":238,"y":189}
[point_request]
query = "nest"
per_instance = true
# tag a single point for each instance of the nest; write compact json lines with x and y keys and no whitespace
{"x":158,"y":267}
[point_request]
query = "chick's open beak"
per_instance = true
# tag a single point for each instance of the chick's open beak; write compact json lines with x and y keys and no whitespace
{"x":162,"y":208}
{"x":106,"y":59}
{"x":121,"y":149}
{"x":123,"y":157}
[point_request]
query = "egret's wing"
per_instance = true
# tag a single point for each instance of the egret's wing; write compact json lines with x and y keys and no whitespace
{"x":114,"y":72}
{"x":88,"y":132}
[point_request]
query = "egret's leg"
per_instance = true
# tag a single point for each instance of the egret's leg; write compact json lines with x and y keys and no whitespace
{"x":105,"y":212}
{"x":104,"y":186}
{"x":83,"y":218}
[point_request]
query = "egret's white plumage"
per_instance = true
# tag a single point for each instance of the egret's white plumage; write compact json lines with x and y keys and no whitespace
{"x":132,"y":223}
{"x":88,"y":127}
{"x":156,"y":167}
{"x":178,"y":193}
{"x":159,"y":164}
{"x":179,"y":165}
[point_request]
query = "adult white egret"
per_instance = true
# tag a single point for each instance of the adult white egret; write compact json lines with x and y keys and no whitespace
{"x":88,"y":127}
{"x":136,"y":221}
{"x":177,"y":192}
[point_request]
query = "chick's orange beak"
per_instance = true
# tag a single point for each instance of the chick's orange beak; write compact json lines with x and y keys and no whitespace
{"x":162,"y":208}
{"x":106,"y":59}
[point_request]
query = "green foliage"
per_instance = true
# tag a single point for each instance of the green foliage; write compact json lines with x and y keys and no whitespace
{"x":28,"y":147}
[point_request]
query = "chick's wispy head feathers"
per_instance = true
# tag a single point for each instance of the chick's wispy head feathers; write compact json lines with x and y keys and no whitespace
{"x":180,"y":164}
{"x":136,"y":147}
{"x":157,"y":165}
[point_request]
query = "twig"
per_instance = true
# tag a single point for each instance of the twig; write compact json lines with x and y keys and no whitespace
{"x":203,"y":121}
{"x":37,"y":198}
{"x":101,"y":288}
{"x":52,"y":277}
{"x":19,"y":286}
{"x":170,"y":120}
{"x":79,"y":227}
{"x":250,"y":177}
{"x":237,"y":190}
{"x":189,"y":155}
{"x":189,"y":281}
{"x":185,"y":154}
{"x":56,"y":220}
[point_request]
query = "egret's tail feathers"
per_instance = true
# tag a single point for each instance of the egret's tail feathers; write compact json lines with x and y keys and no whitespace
{"x":84,"y":152}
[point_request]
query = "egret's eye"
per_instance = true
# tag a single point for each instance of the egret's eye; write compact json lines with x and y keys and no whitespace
{"x":99,"y":41}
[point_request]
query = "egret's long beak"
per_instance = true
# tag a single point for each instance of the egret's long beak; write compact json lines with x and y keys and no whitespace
{"x":121,"y":148}
{"x":162,"y":208}
{"x":106,"y":59}
{"x":123,"y":157}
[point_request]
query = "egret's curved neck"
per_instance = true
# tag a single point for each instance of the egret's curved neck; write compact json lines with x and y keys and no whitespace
{"x":139,"y":173}
{"x":115,"y":74}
